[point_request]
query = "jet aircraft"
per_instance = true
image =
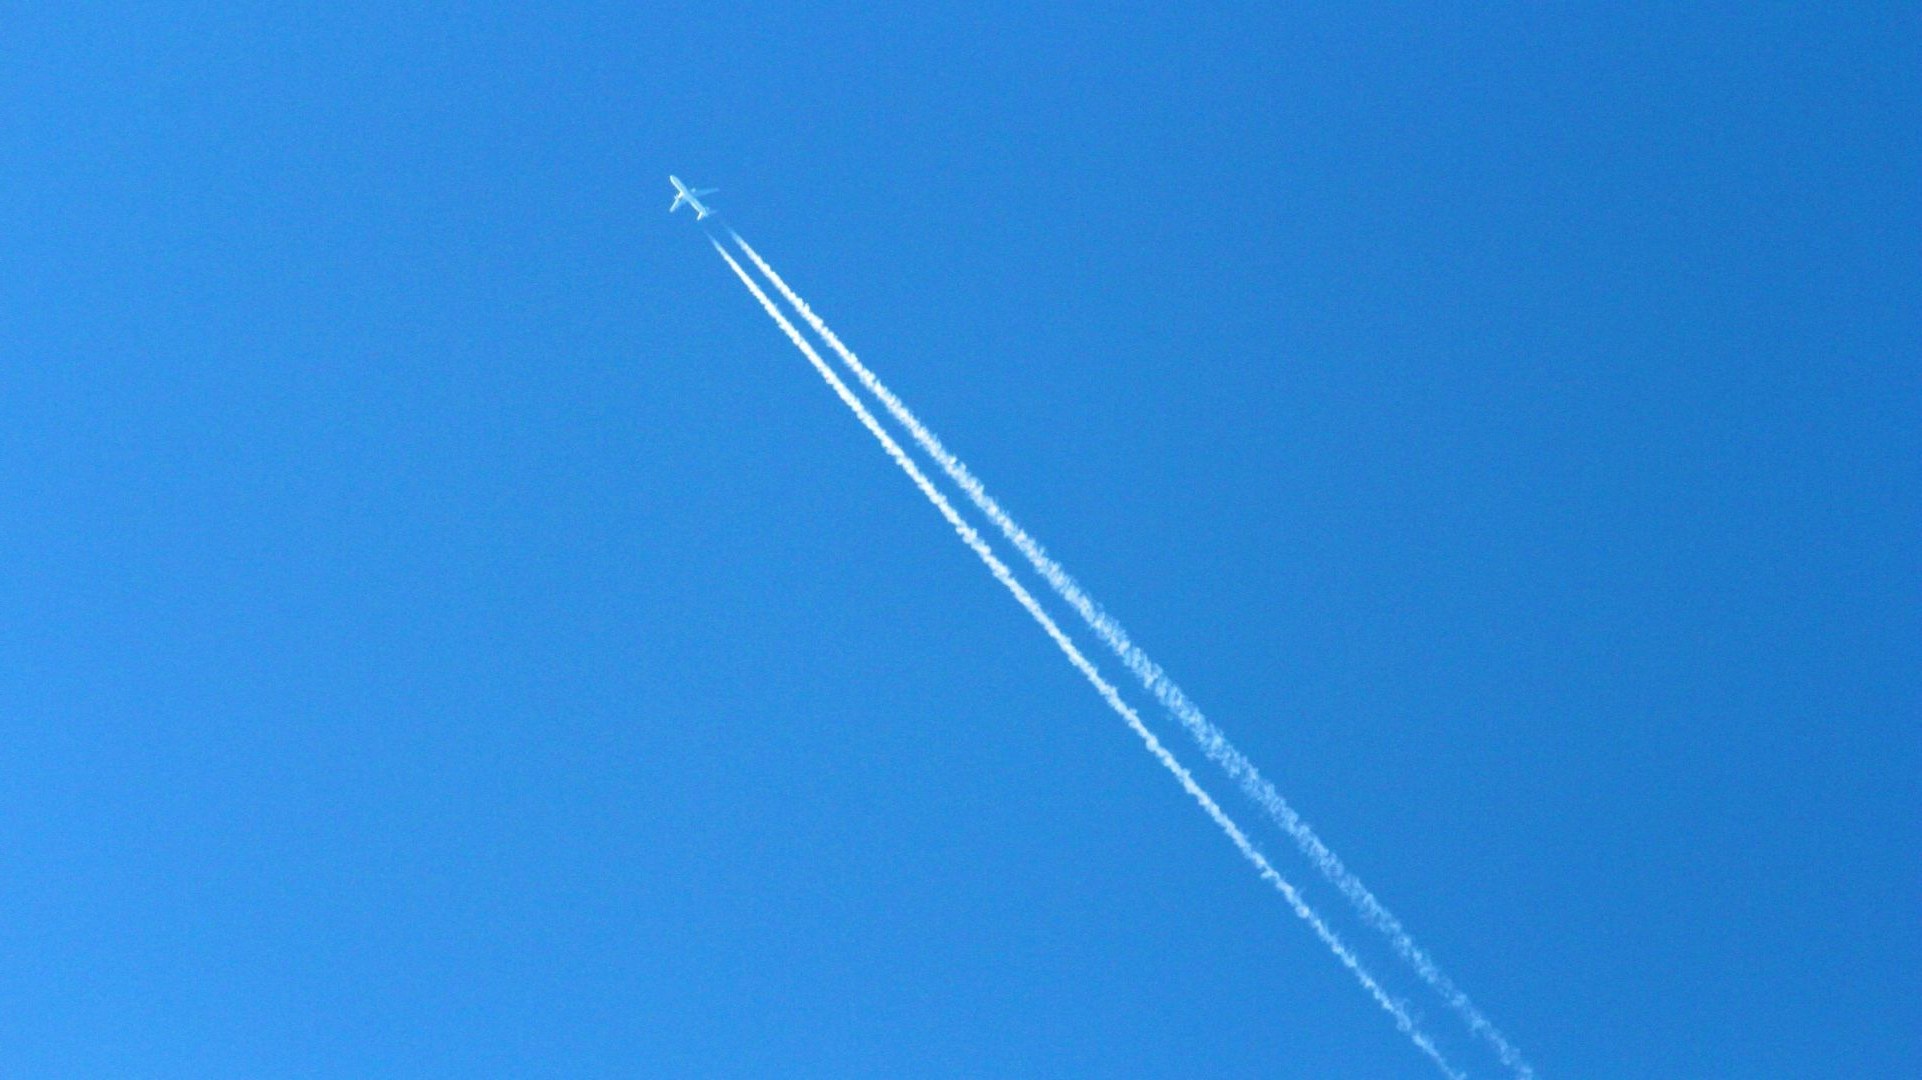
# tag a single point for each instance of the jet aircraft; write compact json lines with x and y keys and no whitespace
{"x":690,"y":196}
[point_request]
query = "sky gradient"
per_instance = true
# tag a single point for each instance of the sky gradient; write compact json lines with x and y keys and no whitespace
{"x":447,"y":630}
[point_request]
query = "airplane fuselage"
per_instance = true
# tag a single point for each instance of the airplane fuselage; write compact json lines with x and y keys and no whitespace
{"x":691,"y":197}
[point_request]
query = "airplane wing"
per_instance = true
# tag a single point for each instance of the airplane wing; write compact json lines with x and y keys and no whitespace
{"x":698,"y":192}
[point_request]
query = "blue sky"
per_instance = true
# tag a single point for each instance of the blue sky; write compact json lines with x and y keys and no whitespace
{"x":446,"y":630}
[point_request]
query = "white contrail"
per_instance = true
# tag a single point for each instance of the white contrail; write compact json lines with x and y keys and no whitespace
{"x":1213,"y":742}
{"x":1403,"y":1020}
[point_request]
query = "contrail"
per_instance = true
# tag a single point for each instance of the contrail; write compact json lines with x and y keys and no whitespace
{"x":1403,"y":1020}
{"x":1213,"y":742}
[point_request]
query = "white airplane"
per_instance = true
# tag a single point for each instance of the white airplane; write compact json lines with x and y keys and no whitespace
{"x":690,"y":196}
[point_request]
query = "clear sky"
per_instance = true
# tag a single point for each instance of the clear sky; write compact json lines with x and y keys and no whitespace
{"x":445,"y":630}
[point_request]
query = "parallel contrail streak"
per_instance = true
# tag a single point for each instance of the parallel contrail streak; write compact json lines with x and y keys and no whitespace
{"x":1403,"y":1020}
{"x":1211,"y":739}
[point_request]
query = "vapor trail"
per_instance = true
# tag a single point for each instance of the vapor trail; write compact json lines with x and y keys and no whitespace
{"x":1403,"y":1020}
{"x":1211,"y":739}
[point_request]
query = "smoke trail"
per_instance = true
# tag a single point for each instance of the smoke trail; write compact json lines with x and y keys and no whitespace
{"x":1212,"y":740}
{"x":1403,"y":1020}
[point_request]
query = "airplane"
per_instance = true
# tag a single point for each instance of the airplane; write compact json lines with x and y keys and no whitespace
{"x":690,"y":196}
